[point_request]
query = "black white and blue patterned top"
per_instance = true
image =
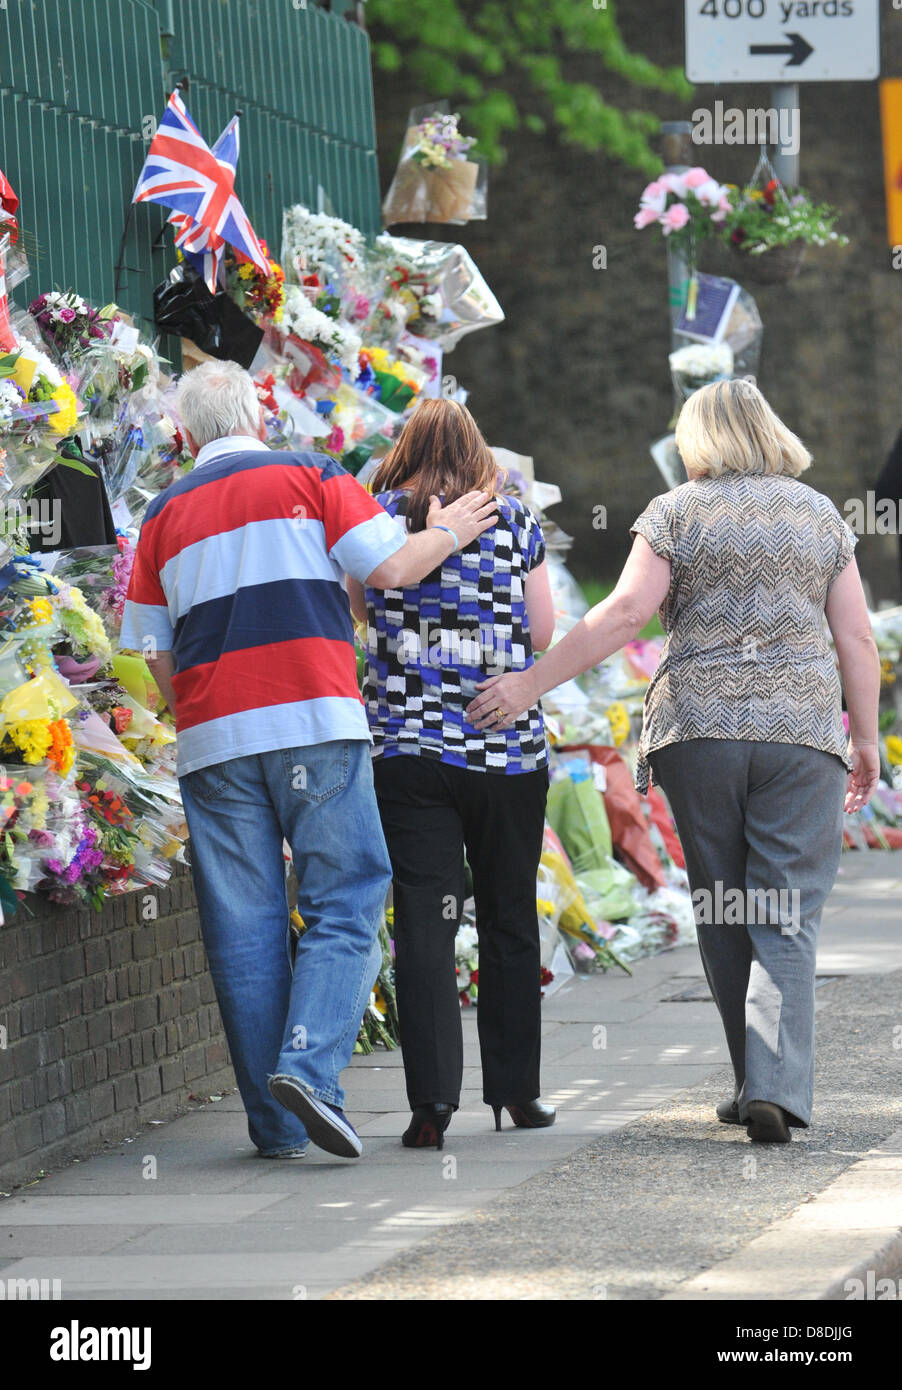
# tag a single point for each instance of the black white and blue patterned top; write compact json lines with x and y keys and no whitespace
{"x":429,"y":645}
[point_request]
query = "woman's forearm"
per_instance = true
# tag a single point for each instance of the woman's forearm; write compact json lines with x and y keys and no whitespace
{"x":859,"y":667}
{"x":604,"y":630}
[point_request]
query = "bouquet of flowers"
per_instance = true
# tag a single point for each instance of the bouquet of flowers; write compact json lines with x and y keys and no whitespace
{"x":38,"y":409}
{"x":334,"y":337}
{"x":431,"y":288}
{"x":318,"y":246}
{"x":435,"y":181}
{"x":697,"y":364}
{"x":261,"y":297}
{"x":687,"y":207}
{"x":68,"y":323}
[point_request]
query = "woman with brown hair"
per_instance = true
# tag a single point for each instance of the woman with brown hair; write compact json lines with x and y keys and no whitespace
{"x":445,"y":788}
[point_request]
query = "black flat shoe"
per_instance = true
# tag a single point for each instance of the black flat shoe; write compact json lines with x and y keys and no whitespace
{"x":427,"y":1126}
{"x":767,"y":1123}
{"x":527,"y":1114}
{"x":728,"y":1112}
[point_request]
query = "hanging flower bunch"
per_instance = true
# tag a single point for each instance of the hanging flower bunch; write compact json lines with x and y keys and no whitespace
{"x":440,"y":141}
{"x":759,"y":219}
{"x":68,"y":323}
{"x":687,"y":207}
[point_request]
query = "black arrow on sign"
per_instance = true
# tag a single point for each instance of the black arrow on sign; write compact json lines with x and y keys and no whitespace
{"x":799,"y":48}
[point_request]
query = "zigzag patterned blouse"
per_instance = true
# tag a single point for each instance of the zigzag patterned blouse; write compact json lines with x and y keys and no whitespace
{"x":746,"y":654}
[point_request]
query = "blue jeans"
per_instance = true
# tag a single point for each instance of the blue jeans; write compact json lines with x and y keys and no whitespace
{"x":303,"y":1022}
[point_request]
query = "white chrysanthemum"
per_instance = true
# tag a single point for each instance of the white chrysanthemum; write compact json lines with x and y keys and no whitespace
{"x":702,"y":361}
{"x":318,"y":238}
{"x":43,"y":364}
{"x":303,"y":318}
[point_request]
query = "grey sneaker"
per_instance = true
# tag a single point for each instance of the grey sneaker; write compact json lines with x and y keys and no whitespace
{"x":327,"y":1125}
{"x":299,"y":1152}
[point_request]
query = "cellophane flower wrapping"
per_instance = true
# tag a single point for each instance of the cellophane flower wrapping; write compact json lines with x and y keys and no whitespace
{"x":431,"y":288}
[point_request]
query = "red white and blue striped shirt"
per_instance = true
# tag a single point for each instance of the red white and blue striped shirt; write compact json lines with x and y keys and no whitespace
{"x":239,"y":573}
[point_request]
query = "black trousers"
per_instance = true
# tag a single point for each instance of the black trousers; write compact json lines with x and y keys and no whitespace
{"x":430,"y":813}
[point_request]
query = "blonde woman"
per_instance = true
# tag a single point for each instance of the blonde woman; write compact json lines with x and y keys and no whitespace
{"x":743,"y":721}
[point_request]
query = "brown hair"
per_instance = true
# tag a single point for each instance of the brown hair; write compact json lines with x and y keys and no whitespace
{"x":440,"y":452}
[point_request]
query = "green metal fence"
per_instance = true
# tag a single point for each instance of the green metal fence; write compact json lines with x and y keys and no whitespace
{"x":83,"y":82}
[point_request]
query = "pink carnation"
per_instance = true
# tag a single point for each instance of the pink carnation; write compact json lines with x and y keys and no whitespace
{"x":694,"y":178}
{"x":674,"y":218}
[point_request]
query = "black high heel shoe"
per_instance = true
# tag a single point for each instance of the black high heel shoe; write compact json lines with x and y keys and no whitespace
{"x":427,"y":1126}
{"x":527,"y":1114}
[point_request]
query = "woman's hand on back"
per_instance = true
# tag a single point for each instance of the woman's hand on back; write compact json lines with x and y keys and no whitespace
{"x":468,"y":517}
{"x":503,"y":700}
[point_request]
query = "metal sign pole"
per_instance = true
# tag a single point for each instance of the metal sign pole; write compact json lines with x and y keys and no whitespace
{"x":785,"y":97}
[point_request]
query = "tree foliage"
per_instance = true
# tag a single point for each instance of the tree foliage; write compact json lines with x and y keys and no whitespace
{"x":465,"y":49}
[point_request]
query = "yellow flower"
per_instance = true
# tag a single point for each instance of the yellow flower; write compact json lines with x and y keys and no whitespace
{"x":894,"y":749}
{"x":619,"y":721}
{"x":40,"y":805}
{"x":42,"y":609}
{"x":246,"y":271}
{"x":66,"y":418}
{"x":32,"y":737}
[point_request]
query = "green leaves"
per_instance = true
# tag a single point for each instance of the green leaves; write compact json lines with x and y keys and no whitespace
{"x":464,"y":49}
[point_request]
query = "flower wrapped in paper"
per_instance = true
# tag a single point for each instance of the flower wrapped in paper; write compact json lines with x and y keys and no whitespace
{"x":436,"y":180}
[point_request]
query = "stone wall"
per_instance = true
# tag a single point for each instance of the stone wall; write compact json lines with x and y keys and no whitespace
{"x":107,"y":1020}
{"x":577,"y":376}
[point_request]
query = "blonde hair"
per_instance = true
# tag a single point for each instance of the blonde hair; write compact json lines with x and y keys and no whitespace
{"x":728,"y":426}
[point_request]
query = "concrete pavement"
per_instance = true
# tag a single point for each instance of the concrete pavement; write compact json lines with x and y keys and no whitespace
{"x":634,"y":1194}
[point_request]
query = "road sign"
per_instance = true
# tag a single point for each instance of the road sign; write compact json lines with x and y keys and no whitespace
{"x":782,"y":40}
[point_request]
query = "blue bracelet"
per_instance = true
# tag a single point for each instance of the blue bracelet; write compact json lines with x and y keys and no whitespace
{"x":450,"y":533}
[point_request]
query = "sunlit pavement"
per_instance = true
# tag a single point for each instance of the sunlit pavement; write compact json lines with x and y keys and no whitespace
{"x":634,"y":1193}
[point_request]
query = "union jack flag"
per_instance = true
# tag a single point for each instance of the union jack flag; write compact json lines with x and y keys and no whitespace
{"x":202,"y":248}
{"x":183,"y":173}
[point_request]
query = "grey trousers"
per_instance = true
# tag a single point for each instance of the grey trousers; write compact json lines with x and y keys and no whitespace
{"x":761,"y":829}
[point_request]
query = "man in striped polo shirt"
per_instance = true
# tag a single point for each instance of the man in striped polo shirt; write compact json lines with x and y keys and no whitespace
{"x":238,"y":603}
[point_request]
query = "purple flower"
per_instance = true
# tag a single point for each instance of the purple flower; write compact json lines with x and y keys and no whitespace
{"x":67,"y":315}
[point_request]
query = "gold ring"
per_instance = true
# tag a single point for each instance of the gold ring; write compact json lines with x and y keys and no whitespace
{"x":499,"y":713}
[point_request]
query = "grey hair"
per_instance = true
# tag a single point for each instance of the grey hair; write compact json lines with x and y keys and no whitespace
{"x":218,"y":399}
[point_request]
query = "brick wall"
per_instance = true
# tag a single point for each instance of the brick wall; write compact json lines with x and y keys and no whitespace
{"x":110,"y":1021}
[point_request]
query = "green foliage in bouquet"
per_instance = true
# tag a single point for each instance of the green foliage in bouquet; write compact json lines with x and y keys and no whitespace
{"x":466,"y":50}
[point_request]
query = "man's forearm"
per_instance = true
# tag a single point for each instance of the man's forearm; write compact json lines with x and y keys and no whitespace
{"x":161,"y":667}
{"x":421,"y":553}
